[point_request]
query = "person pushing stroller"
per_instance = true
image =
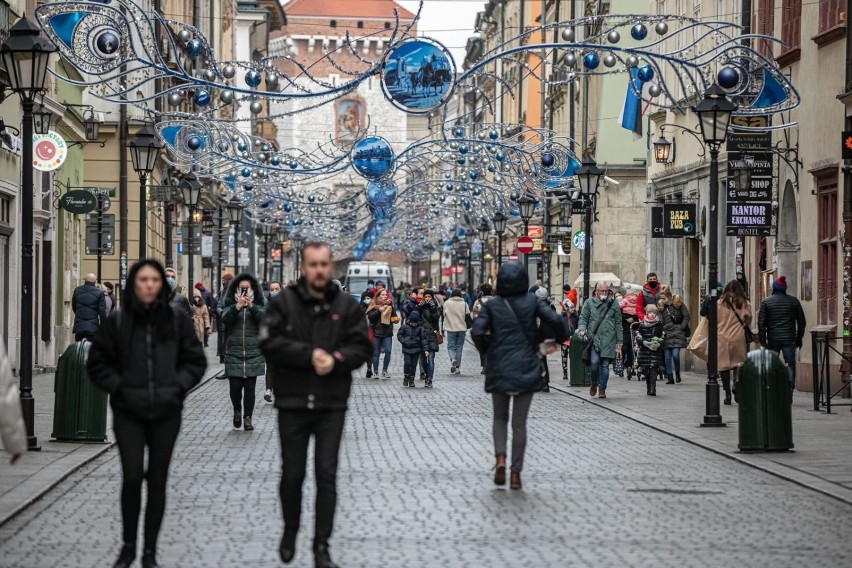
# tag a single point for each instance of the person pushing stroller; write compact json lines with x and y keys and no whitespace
{"x":650,"y":341}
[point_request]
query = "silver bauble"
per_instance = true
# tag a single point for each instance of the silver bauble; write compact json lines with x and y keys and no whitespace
{"x":570,"y":59}
{"x":184,"y":36}
{"x":632,"y":61}
{"x":223,"y":145}
{"x":226,"y":97}
{"x":609,"y":60}
{"x":228,"y":71}
{"x":272,"y":82}
{"x":261,"y":157}
{"x":661,"y":28}
{"x":255,"y":107}
{"x":568,"y":34}
{"x":174,"y":99}
{"x":655,"y":90}
{"x":209,"y":75}
{"x":613,"y":37}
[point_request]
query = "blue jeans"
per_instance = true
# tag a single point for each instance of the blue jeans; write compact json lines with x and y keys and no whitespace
{"x":672,"y":356}
{"x":599,"y":369}
{"x":430,"y":366}
{"x":410,"y":363}
{"x":455,"y":344}
{"x":788,"y":351}
{"x":378,"y":344}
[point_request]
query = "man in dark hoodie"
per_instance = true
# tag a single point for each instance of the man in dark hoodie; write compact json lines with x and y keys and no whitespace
{"x":313,"y":336}
{"x":781,"y":325}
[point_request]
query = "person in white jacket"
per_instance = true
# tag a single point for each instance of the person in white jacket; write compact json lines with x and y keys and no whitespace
{"x":12,"y":429}
{"x":455,"y":325}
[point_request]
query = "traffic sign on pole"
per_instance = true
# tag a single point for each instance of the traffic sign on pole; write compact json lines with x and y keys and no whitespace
{"x":525,"y":245}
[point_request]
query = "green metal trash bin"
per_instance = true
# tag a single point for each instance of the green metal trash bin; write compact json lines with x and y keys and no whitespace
{"x":79,"y":408}
{"x":578,"y":373}
{"x":763,"y":393}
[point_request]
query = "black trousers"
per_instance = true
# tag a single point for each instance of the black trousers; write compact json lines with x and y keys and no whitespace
{"x":242,"y":394}
{"x":132,"y":436}
{"x":295,"y":428}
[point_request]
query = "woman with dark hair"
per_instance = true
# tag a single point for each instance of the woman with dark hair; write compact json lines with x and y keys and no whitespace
{"x":733,"y":314}
{"x":147,"y":357}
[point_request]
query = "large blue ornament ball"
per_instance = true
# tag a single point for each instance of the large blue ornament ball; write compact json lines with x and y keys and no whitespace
{"x":246,"y":172}
{"x":645,"y":73}
{"x":591,"y":60}
{"x":728,"y":77}
{"x":473,"y":175}
{"x":274,"y":160}
{"x":193,"y":48}
{"x":107,"y":43}
{"x":194,"y":143}
{"x":458,"y":132}
{"x":547,"y":160}
{"x":288,"y":207}
{"x":202,"y":98}
{"x":253,"y":78}
{"x":463,"y":149}
{"x":639,"y":32}
{"x":493,"y":135}
{"x":294,"y":164}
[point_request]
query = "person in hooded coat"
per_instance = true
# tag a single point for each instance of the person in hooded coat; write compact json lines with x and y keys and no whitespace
{"x":147,"y":358}
{"x":242,"y":313}
{"x":506,"y":329}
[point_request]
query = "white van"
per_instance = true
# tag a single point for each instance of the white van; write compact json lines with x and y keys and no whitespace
{"x":358,"y":275}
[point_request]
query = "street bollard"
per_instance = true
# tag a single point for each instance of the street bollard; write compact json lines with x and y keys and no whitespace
{"x":763,"y":392}
{"x":79,"y":408}
{"x":579,"y":373}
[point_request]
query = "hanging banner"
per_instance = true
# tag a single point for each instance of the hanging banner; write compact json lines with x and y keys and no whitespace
{"x":49,"y":151}
{"x":657,"y":229}
{"x":680,"y":219}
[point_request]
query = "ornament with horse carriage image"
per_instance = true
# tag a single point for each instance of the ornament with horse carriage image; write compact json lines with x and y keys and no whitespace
{"x":418,"y":75}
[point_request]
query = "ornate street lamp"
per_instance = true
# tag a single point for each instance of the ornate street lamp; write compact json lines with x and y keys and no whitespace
{"x":190,"y":189}
{"x":25,"y":55}
{"x":714,"y":113}
{"x":499,"y":221}
{"x":526,"y":208}
{"x":235,"y":215}
{"x":144,"y":150}
{"x":92,"y":125}
{"x":589,"y":176}
{"x":41,"y":121}
{"x":484,"y":229}
{"x":662,"y":149}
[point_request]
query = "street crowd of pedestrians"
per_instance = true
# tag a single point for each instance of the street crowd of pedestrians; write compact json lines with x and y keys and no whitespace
{"x":307,"y":338}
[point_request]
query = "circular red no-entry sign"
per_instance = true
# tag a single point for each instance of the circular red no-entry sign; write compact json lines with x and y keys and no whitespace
{"x":525,"y":245}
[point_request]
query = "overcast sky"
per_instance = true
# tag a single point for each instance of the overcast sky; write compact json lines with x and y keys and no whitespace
{"x":448,"y":21}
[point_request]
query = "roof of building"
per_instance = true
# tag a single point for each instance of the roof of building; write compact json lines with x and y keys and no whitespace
{"x":336,"y":8}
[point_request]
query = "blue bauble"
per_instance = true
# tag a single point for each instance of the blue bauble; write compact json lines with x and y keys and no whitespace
{"x":193,"y":48}
{"x":252,"y":78}
{"x":466,"y":203}
{"x":473,"y":175}
{"x":294,"y":164}
{"x":476,"y":192}
{"x":645,"y":73}
{"x":265,"y":204}
{"x":288,"y":207}
{"x":194,"y":143}
{"x":547,"y":160}
{"x":202,"y":98}
{"x":107,"y":43}
{"x":460,"y":161}
{"x":728,"y":77}
{"x":264,"y":148}
{"x":449,"y":187}
{"x":274,"y":160}
{"x":242,"y":147}
{"x":463,"y":149}
{"x":591,"y":60}
{"x":248,"y":186}
{"x":498,"y":156}
{"x":246,"y":172}
{"x":458,"y":132}
{"x":493,"y":135}
{"x":311,"y":199}
{"x":639,"y":32}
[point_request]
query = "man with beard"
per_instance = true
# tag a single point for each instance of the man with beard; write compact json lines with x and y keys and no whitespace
{"x":313,"y":337}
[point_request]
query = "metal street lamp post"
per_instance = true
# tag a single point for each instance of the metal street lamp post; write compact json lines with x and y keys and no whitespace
{"x":589,"y":175}
{"x":468,"y":239}
{"x":714,"y":113}
{"x":144,"y":150}
{"x":483,"y":235}
{"x":296,"y":243}
{"x":454,"y":278}
{"x":499,"y":221}
{"x":526,"y":207}
{"x":282,"y":236}
{"x":190,"y":188}
{"x":235,"y":214}
{"x":25,"y":56}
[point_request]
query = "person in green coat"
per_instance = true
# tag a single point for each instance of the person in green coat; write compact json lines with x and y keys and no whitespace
{"x":242,"y":312}
{"x":600,"y":322}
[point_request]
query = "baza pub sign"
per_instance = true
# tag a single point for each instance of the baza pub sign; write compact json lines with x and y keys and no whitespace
{"x":674,"y":220}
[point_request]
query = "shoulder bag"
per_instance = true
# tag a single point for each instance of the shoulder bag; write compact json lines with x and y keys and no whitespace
{"x":587,"y":352}
{"x":749,"y":335}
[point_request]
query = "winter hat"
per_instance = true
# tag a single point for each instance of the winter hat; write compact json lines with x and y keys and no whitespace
{"x":227,"y":277}
{"x":414,"y":316}
{"x":541,"y":294}
{"x":199,"y":285}
{"x":533,"y":289}
{"x":780,"y":284}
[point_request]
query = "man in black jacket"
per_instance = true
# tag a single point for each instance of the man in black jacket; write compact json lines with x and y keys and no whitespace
{"x":781,"y":325}
{"x":90,"y":310}
{"x":313,"y":337}
{"x":176,"y":299}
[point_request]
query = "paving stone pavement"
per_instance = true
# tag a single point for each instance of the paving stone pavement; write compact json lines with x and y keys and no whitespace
{"x":415,"y":490}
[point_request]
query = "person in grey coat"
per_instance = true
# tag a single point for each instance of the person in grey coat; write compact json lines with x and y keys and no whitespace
{"x":676,"y":326}
{"x":90,"y":309}
{"x":600,"y":323}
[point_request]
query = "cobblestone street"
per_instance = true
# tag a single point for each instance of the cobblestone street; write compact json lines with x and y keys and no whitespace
{"x":415,"y":490}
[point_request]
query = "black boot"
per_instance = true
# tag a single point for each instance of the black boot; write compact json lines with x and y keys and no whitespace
{"x":322,"y":558}
{"x":149,"y":559}
{"x":405,"y":380}
{"x":726,"y":384}
{"x":126,"y":556}
{"x":669,"y":379}
{"x":287,"y":548}
{"x":677,"y":376}
{"x":653,"y":389}
{"x":238,"y":418}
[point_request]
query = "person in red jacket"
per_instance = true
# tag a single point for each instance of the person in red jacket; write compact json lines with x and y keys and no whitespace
{"x":649,"y":296}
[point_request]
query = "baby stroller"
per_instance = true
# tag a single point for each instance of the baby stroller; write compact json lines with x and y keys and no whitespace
{"x":634,"y":370}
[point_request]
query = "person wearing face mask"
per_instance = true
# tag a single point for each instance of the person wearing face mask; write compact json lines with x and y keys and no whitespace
{"x":274,"y":290}
{"x":200,"y":315}
{"x":176,"y":299}
{"x":600,"y":322}
{"x":650,"y":356}
{"x":244,"y":361}
{"x":649,"y":296}
{"x":147,"y":357}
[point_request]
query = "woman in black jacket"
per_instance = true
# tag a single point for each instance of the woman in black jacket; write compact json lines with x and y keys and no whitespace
{"x":147,"y":358}
{"x":506,"y":329}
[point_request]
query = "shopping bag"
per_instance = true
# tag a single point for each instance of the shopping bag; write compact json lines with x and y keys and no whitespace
{"x":698,"y":343}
